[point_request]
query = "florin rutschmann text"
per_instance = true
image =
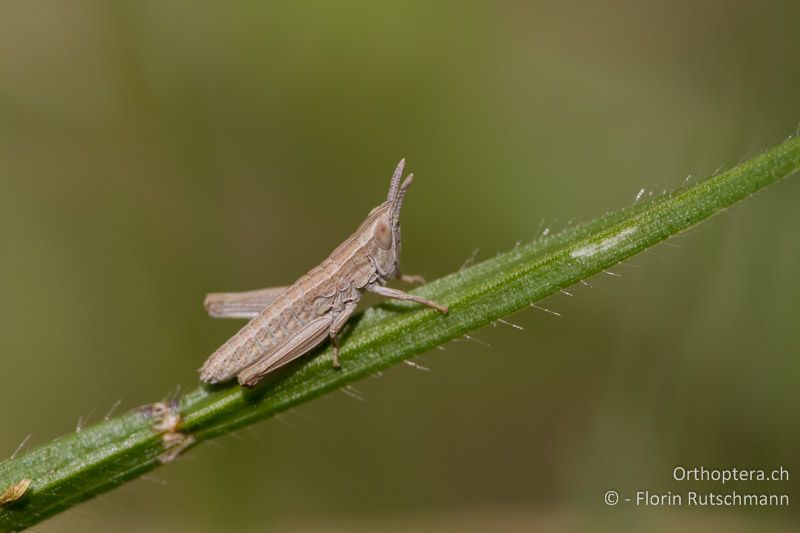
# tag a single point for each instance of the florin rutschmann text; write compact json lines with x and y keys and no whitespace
{"x":696,"y":497}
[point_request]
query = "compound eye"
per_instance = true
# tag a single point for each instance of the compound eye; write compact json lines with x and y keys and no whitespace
{"x":382,"y":233}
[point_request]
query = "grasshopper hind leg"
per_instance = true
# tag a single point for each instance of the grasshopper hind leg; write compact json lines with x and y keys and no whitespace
{"x":246,"y":304}
{"x":300,"y":343}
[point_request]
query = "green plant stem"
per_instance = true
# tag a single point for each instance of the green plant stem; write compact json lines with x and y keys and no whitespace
{"x":78,"y":466}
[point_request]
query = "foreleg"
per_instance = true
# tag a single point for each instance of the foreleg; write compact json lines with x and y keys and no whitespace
{"x":337,"y":325}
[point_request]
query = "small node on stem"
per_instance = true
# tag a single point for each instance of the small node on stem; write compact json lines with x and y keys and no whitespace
{"x":15,"y":491}
{"x":167,"y":423}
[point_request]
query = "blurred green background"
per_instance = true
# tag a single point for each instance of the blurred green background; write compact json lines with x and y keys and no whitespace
{"x":151,"y":152}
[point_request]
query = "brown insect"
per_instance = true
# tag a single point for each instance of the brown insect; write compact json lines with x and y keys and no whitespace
{"x":287,"y":322}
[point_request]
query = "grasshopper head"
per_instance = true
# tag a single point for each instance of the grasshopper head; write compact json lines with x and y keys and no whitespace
{"x":386,"y":224}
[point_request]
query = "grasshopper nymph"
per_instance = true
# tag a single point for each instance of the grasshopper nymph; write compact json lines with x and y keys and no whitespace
{"x":287,"y":322}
